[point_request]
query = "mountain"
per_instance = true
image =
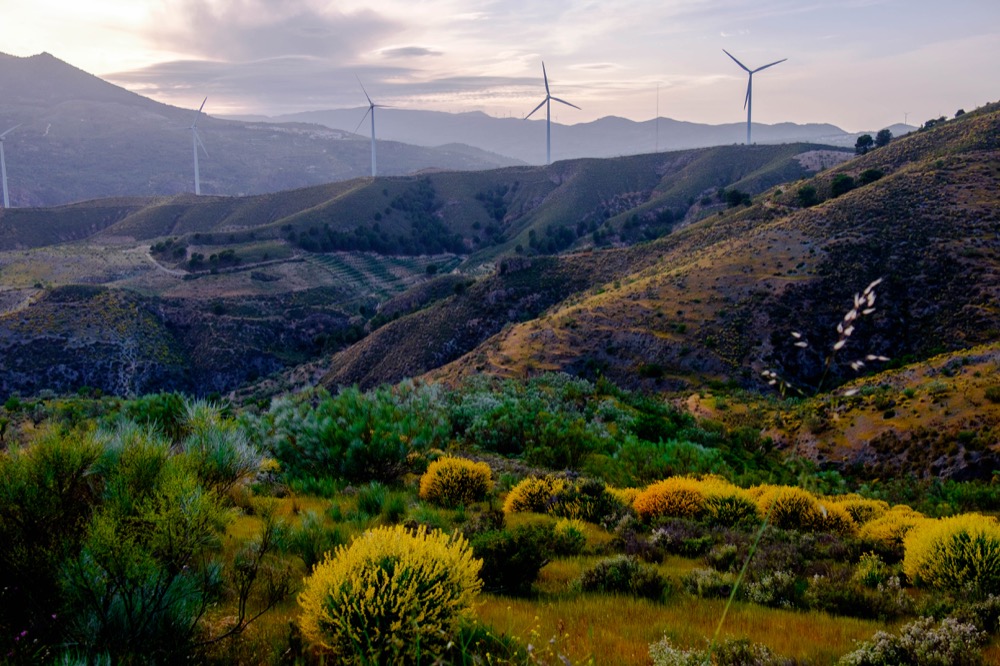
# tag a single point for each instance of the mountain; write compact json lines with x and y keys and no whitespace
{"x":83,"y":138}
{"x":206,"y":293}
{"x":718,"y":300}
{"x":606,"y":137}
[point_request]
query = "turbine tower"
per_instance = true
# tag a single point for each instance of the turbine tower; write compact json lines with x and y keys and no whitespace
{"x":548,"y":115}
{"x":3,"y":167}
{"x":195,"y":142}
{"x":371,"y":109}
{"x":747,"y":103}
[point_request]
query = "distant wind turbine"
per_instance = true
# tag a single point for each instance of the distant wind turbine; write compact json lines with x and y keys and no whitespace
{"x":195,"y":142}
{"x":371,"y":109}
{"x":548,"y":115}
{"x":747,"y":103}
{"x":3,"y":166}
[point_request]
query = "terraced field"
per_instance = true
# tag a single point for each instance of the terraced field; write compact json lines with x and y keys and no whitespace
{"x":378,"y":275}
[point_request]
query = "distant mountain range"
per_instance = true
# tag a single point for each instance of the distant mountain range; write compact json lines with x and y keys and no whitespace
{"x":83,"y":138}
{"x":607,"y":137}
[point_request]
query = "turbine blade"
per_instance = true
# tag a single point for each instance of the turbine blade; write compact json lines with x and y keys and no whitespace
{"x":746,"y":100}
{"x":370,"y":102}
{"x":735,"y":60}
{"x":197,"y":138}
{"x":771,"y":65}
{"x":6,"y":132}
{"x":536,"y":108}
{"x":202,"y":104}
{"x":362,"y":119}
{"x":545,"y":77}
{"x":556,"y":99}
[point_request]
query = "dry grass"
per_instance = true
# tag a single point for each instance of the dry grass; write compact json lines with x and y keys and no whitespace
{"x":618,"y":630}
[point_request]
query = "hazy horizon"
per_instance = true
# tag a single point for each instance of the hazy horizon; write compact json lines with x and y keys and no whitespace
{"x":860,"y":65}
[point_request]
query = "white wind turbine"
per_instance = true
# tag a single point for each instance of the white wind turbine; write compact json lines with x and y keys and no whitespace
{"x":747,"y":103}
{"x":371,"y":109}
{"x":195,"y":142}
{"x":548,"y":115}
{"x":3,"y":166}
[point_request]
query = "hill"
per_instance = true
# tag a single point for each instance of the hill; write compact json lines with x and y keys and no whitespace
{"x":83,"y":138}
{"x":719,"y":299}
{"x":605,"y":137}
{"x":245,"y":286}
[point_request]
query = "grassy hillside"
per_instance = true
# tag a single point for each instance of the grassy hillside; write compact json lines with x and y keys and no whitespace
{"x":725,"y":294}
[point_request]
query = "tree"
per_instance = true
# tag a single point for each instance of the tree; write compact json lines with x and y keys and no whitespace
{"x":807,"y":196}
{"x":883,"y":138}
{"x":842,"y":183}
{"x":864,"y":144}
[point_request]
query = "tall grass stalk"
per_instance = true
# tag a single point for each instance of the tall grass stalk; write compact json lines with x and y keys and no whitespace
{"x":739,"y":581}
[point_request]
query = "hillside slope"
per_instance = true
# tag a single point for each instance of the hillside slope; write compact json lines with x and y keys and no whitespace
{"x":719,"y":299}
{"x":726,"y":294}
{"x":83,"y":138}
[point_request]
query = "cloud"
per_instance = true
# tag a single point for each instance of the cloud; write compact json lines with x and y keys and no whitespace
{"x":244,"y":30}
{"x":409,"y":52}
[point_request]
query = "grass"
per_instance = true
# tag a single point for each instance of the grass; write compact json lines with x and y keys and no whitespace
{"x":617,"y":630}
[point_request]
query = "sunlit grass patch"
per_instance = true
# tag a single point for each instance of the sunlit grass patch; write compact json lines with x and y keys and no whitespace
{"x":618,"y":630}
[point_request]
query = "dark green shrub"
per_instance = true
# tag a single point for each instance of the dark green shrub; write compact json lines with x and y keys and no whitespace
{"x":48,"y":491}
{"x":869,"y":176}
{"x":166,"y":412}
{"x":354,"y":435}
{"x":311,"y":539}
{"x":623,"y":574}
{"x":589,"y":500}
{"x":512,"y":557}
{"x":807,"y":196}
{"x":841,"y":184}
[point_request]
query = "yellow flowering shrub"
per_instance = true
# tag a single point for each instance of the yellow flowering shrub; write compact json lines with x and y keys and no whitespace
{"x":676,"y":497}
{"x":727,"y":504}
{"x":624,"y":495}
{"x":958,"y":553}
{"x":888,"y":531}
{"x":394,"y":596}
{"x":789,"y":507}
{"x":453,"y":481}
{"x":533,"y":494}
{"x":862,"y":510}
{"x":836,"y":518}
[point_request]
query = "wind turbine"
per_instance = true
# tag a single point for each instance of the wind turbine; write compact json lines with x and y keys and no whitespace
{"x":195,"y":142}
{"x":371,"y":109}
{"x":3,"y":166}
{"x":548,"y":115}
{"x":748,"y":101}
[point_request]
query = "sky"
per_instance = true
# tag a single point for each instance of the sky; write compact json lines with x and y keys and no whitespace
{"x":859,"y":64}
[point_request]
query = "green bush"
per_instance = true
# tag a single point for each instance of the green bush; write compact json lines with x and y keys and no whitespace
{"x":145,"y":572}
{"x":48,"y":492}
{"x":624,"y":574}
{"x":353,"y":435}
{"x":311,"y":539}
{"x":513,"y":557}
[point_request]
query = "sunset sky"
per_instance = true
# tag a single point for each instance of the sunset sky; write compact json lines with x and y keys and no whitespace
{"x":860,"y":64}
